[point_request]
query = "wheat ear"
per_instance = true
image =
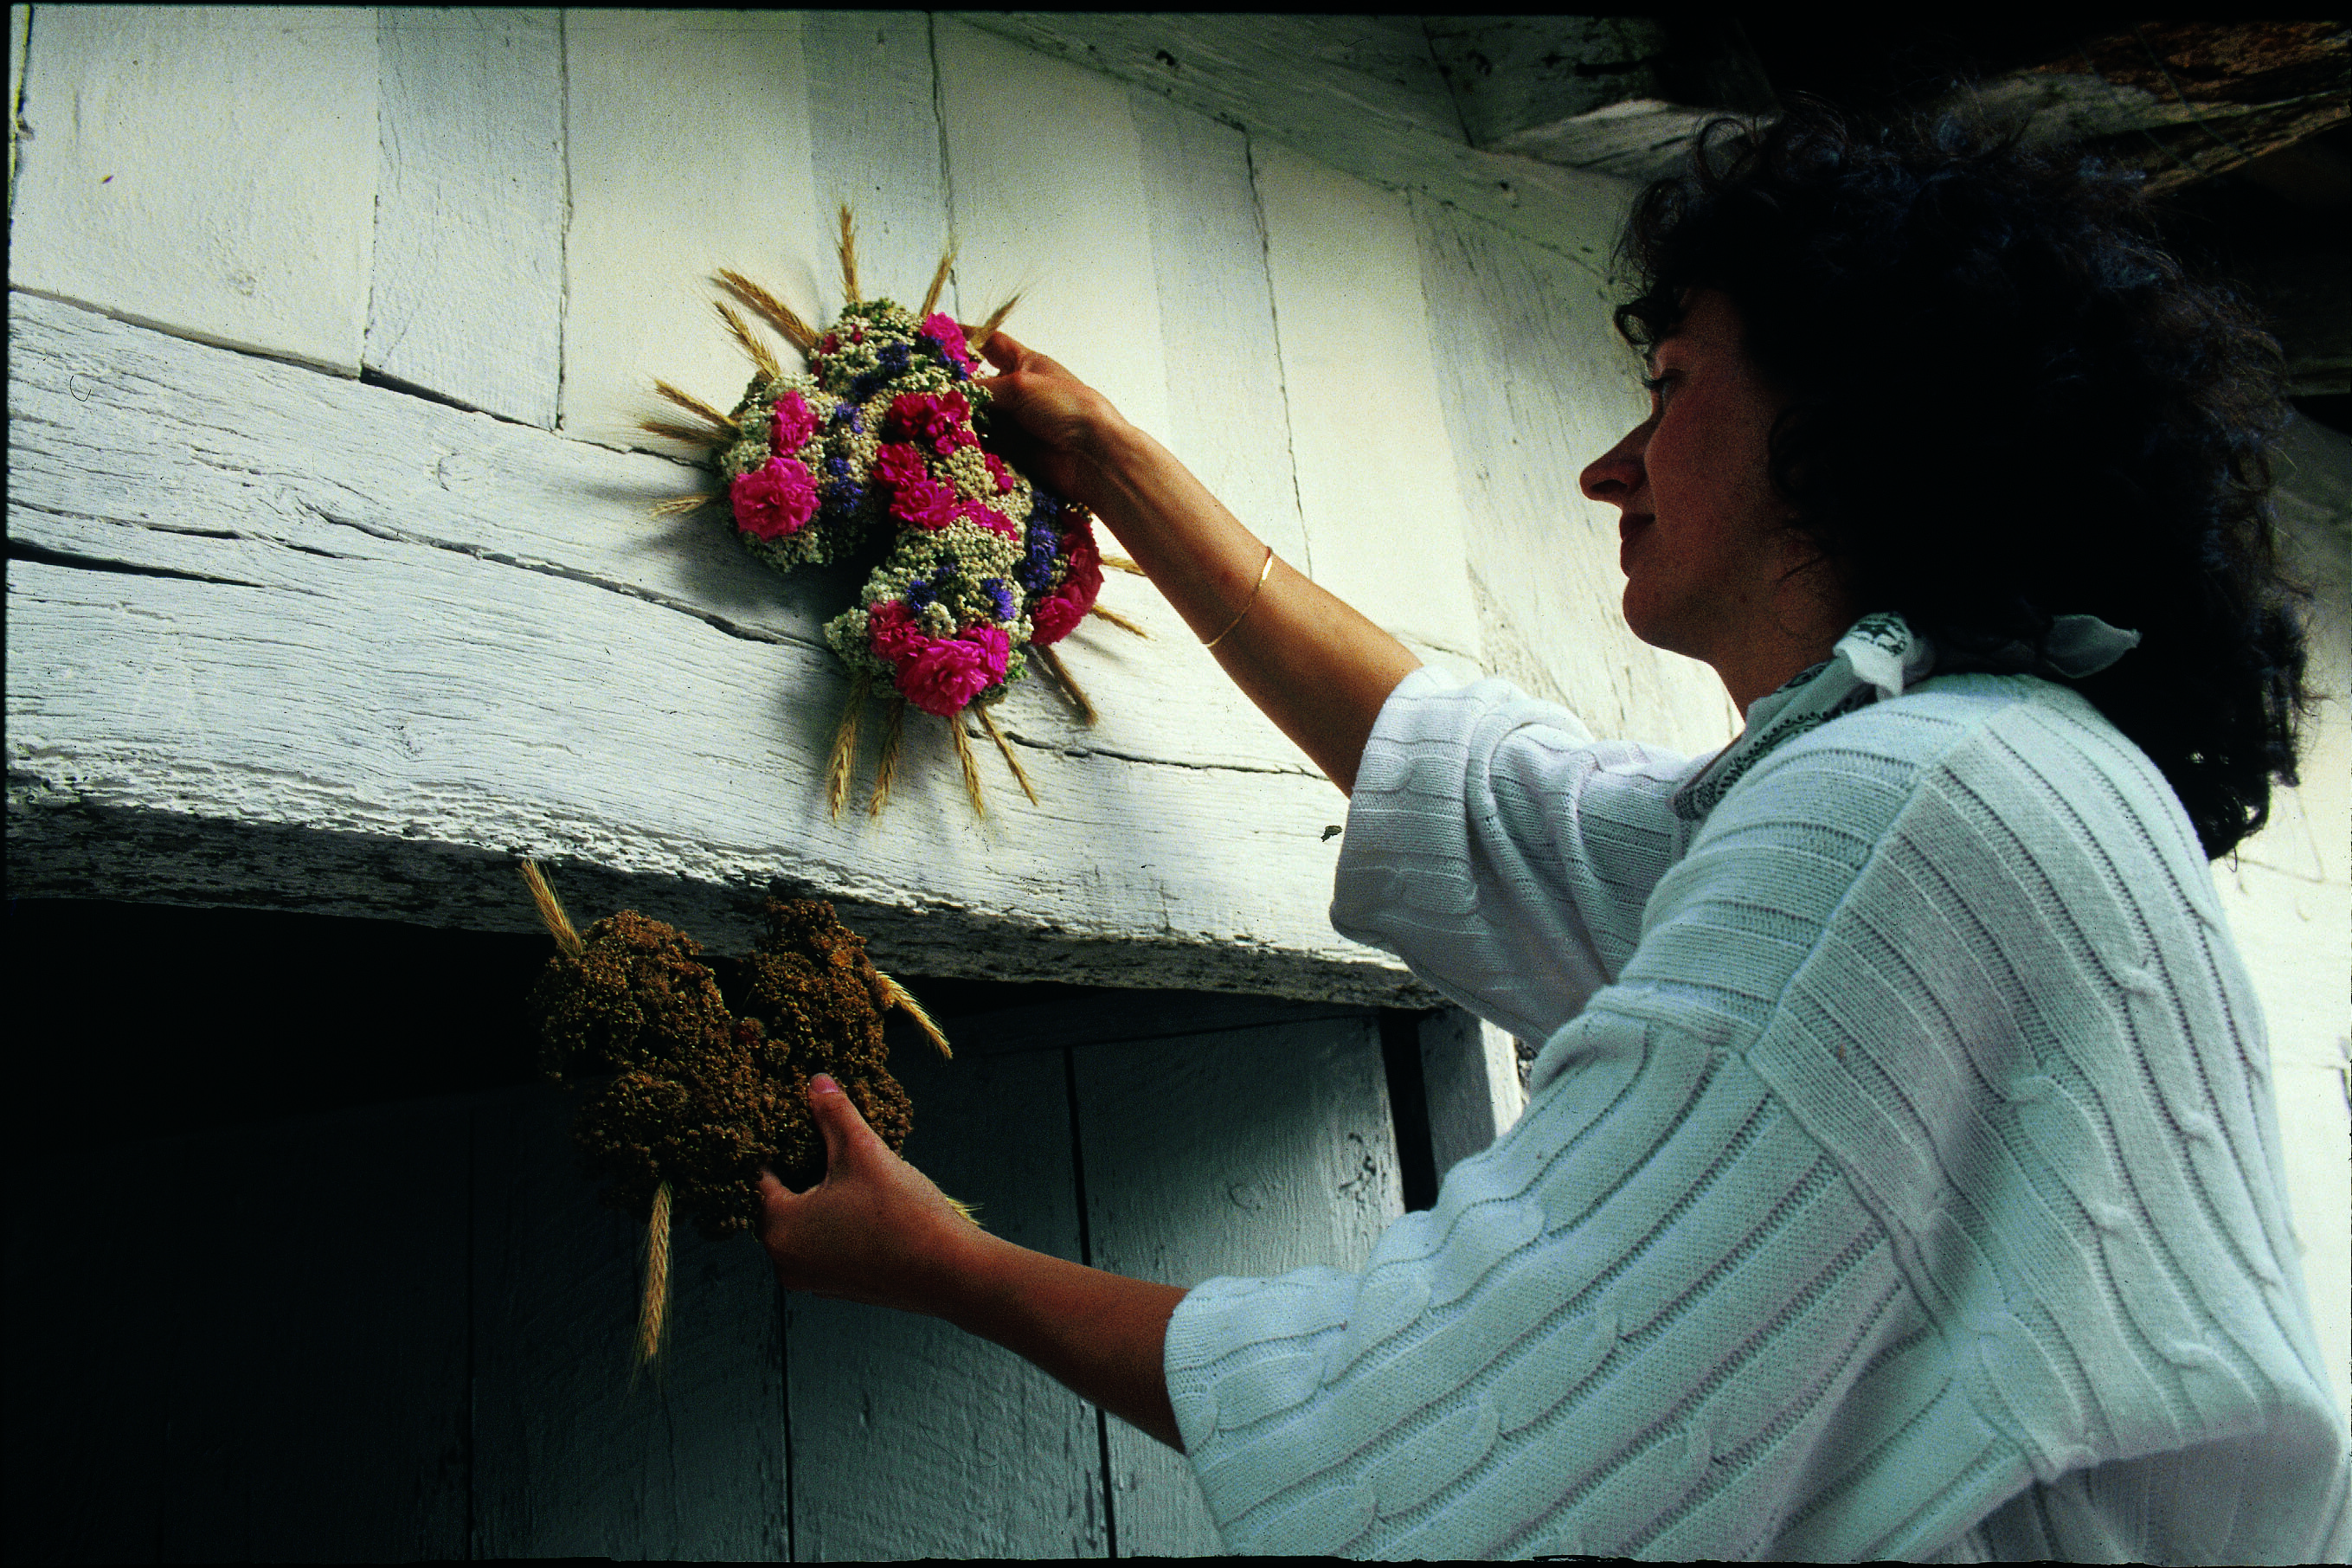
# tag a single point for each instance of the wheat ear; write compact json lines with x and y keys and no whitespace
{"x":680,"y":505}
{"x":551,"y":911}
{"x":885,"y":771}
{"x":1121,"y":563}
{"x":1121,"y":622}
{"x":764,"y":358}
{"x":980,"y":334}
{"x":652,"y":1311}
{"x":899,"y":996}
{"x":1062,"y":678}
{"x":988,"y":722}
{"x":720,"y":424}
{"x":971,"y":767}
{"x":779,"y":315}
{"x":849,"y":257}
{"x":938,"y":281}
{"x":843,"y":761}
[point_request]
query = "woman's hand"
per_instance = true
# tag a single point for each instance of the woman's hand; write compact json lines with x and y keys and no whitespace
{"x":873,"y":1230}
{"x":876,"y":1230}
{"x":1052,"y":424}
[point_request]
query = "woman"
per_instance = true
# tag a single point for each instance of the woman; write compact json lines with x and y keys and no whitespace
{"x":1900,"y":1175}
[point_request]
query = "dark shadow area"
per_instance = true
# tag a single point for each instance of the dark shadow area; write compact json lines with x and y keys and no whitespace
{"x":135,"y":1022}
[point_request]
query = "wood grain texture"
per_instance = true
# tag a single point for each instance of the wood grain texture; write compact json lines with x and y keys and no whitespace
{"x":910,"y":1437}
{"x":1358,"y":93}
{"x":1247,"y":1151}
{"x":466,"y":298}
{"x":874,"y":138}
{"x":573,"y":1456}
{"x":1376,"y":477}
{"x":1535,"y":385}
{"x":294,"y":641}
{"x":208,"y":170}
{"x":688,"y":139}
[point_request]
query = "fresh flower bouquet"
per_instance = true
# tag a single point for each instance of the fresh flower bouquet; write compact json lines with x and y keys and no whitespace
{"x":882,"y":436}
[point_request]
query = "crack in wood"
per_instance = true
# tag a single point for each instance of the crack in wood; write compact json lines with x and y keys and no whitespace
{"x":567,"y":573}
{"x":19,"y":550}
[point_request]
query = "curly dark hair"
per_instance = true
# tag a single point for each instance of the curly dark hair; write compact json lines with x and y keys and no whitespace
{"x":2009,"y":402}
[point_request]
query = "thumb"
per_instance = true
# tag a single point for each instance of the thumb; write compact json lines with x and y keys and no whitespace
{"x":836,"y":1117}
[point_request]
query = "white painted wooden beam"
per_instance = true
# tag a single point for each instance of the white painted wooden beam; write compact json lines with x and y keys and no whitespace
{"x":286,"y":640}
{"x":466,"y":296}
{"x":1470,"y":1078}
{"x":209,"y":171}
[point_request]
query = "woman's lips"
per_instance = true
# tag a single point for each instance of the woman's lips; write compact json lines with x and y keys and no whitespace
{"x":1629,"y":527}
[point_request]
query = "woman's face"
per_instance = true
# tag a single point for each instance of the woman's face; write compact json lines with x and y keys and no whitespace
{"x":1705,"y":541}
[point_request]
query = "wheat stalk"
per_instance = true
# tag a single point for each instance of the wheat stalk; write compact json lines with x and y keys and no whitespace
{"x":781,"y":316}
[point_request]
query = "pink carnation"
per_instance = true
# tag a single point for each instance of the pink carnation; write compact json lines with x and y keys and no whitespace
{"x":999,"y":473}
{"x":987,"y":517}
{"x":924,"y":504}
{"x":941,"y":329}
{"x":795,"y":422}
{"x":1082,"y":566}
{"x":775,"y":501}
{"x":890,"y":632}
{"x":940,"y":418}
{"x":951,"y":671}
{"x":899,"y":463}
{"x":1051,"y":619}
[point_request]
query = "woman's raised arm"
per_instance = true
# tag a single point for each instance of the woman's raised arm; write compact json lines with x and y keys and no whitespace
{"x":1315,"y":667}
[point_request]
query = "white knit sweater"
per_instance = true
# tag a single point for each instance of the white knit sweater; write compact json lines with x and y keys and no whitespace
{"x":1901,"y":1178}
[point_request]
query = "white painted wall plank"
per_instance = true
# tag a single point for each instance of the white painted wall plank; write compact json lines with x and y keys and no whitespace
{"x":1376,"y":478}
{"x":464,"y":640}
{"x":1250,"y":1152}
{"x":1046,"y":178}
{"x":572,"y":1457}
{"x":910,"y":1437}
{"x":1358,"y":93}
{"x":210,"y":171}
{"x":873,"y":133}
{"x":466,"y":295}
{"x":1535,"y":385}
{"x":20,"y":20}
{"x":688,"y":147}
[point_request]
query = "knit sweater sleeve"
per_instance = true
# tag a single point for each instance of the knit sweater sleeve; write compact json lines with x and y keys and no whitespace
{"x":1909,"y":1190}
{"x":1501,"y":851}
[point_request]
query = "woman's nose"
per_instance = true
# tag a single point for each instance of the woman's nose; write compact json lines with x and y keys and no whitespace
{"x":1617,"y":474}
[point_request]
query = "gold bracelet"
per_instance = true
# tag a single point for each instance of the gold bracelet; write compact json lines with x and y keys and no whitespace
{"x":1262,"y":573}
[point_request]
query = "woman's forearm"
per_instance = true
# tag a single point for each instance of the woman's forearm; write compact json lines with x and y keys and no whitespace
{"x":1313,"y":665}
{"x":1100,"y":1336}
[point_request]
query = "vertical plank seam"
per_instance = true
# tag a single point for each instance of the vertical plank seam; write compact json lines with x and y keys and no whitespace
{"x":473,"y":1321}
{"x":1086,"y":1257}
{"x":1453,"y":97}
{"x":784,"y":1353}
{"x":1281,"y":369}
{"x":563,"y":230}
{"x":24,"y":73}
{"x":947,"y":168}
